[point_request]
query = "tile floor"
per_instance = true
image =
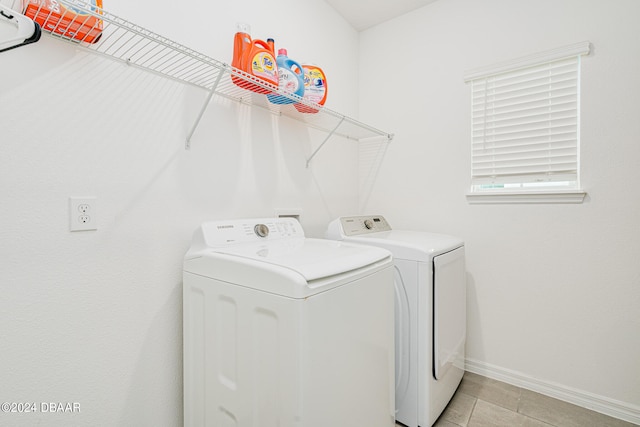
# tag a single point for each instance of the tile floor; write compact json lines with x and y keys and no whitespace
{"x":483,"y":402}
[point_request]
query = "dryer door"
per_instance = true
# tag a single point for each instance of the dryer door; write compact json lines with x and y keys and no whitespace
{"x":449,"y":311}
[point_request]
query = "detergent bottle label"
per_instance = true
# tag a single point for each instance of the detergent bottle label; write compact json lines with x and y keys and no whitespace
{"x":263,"y":65}
{"x":287,"y":80}
{"x":314,"y":84}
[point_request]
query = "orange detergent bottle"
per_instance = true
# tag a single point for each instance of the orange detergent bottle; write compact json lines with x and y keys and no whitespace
{"x":315,"y":88}
{"x":255,"y":58}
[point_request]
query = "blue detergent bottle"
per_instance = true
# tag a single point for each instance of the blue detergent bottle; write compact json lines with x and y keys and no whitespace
{"x":290,"y":79}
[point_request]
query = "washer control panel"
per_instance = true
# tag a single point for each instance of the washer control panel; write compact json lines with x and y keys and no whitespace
{"x":220,"y":233}
{"x":356,"y":225}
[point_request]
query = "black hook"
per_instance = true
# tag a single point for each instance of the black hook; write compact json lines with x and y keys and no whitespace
{"x":5,"y":15}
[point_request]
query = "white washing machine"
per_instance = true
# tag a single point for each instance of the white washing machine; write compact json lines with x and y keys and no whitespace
{"x":430,"y":312}
{"x":286,"y":331}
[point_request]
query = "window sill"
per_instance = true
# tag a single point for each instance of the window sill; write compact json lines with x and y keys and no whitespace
{"x":527,"y":197}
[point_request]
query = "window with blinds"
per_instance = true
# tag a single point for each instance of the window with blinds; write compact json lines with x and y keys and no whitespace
{"x":525,"y":123}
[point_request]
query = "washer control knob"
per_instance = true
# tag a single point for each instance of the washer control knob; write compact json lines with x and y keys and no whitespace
{"x":261,"y":230}
{"x":368,"y":223}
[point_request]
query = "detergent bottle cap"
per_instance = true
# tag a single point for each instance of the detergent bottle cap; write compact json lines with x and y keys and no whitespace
{"x":243,"y":27}
{"x":282,"y":52}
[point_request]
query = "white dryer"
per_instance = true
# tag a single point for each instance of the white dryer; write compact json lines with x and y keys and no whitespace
{"x":430,"y":312}
{"x":281,"y":330}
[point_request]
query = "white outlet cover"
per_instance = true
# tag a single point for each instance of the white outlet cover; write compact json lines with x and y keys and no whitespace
{"x":83,"y":214}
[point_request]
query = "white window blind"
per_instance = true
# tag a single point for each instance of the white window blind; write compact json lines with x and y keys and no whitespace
{"x":525,"y":123}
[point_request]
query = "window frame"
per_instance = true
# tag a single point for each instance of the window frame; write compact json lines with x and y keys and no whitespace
{"x":545,"y":194}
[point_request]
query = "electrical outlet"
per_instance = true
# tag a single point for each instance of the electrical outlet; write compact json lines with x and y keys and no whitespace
{"x":82,"y":214}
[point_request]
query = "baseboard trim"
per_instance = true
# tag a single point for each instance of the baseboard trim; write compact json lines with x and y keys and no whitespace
{"x":614,"y":408}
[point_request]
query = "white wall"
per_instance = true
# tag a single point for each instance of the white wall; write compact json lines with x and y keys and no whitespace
{"x":554,"y":290}
{"x":95,"y":317}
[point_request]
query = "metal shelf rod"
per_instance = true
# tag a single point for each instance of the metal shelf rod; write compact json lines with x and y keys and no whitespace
{"x":204,"y":107}
{"x":323,"y":142}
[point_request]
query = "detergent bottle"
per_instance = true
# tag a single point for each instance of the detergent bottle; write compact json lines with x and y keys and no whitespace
{"x":315,"y":88}
{"x":255,"y":58}
{"x":241,"y":45}
{"x":290,"y":79}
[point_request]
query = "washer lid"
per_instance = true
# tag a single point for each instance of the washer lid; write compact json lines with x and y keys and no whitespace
{"x":312,"y":259}
{"x":294,"y":268}
{"x":272,"y":255}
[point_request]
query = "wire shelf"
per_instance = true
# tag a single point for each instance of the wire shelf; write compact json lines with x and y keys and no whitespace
{"x":125,"y":41}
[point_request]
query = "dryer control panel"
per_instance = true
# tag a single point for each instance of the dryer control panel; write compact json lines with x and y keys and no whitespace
{"x":356,"y":225}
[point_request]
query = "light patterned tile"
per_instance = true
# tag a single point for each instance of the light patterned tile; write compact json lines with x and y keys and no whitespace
{"x":487,"y":414}
{"x":563,"y":414}
{"x":458,"y":411}
{"x":444,"y":423}
{"x":483,"y":402}
{"x":489,"y":390}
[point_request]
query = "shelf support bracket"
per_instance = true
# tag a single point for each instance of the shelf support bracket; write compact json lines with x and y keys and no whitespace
{"x":324,"y":142}
{"x":187,"y":145}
